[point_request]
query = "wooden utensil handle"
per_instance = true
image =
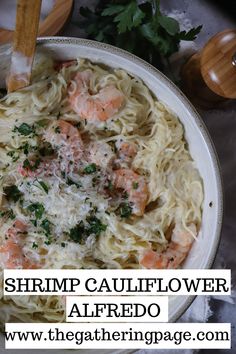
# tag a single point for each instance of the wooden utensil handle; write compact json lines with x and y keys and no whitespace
{"x":27,"y":23}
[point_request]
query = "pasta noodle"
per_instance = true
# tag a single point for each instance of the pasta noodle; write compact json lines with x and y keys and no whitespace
{"x":52,"y":207}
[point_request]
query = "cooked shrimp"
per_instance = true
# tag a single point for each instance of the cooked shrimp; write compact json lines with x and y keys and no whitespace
{"x":126,"y":151}
{"x":12,"y":251}
{"x":176,"y":252}
{"x":18,"y":227}
{"x":100,"y":106}
{"x":66,"y":138}
{"x":26,"y":172}
{"x":135,"y":186}
{"x":45,"y":168}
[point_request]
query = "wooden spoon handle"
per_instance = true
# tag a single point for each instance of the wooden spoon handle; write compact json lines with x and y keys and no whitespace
{"x":27,"y":23}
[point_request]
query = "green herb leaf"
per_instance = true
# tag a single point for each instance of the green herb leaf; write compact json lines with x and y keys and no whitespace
{"x":48,"y":242}
{"x":130,"y":17}
{"x":80,"y":232}
{"x":24,"y":129}
{"x":46,"y":225}
{"x":70,"y":182}
{"x":169,"y":24}
{"x":90,"y":168}
{"x":125,"y":210}
{"x":11,"y":214}
{"x":112,"y":9}
{"x":8,"y":213}
{"x":190,"y":35}
{"x":77,"y":233}
{"x":37,"y":209}
{"x":12,"y":193}
{"x":13,"y":154}
{"x":34,"y":222}
{"x":95,"y":226}
{"x":25,"y":147}
{"x":44,"y":186}
{"x":136,"y":26}
{"x":34,"y":245}
{"x":31,"y":165}
{"x":135,"y":185}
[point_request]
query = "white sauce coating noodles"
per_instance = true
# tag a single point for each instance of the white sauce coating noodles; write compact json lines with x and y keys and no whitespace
{"x":53,"y":204}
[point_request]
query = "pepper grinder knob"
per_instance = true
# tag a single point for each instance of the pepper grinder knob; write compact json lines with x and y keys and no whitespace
{"x":209,"y":76}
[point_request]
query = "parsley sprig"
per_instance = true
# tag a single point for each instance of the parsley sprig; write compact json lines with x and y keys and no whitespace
{"x":24,"y":129}
{"x":37,"y":209}
{"x":140,"y":28}
{"x":80,"y":232}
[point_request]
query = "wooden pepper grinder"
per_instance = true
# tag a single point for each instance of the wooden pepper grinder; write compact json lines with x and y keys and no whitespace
{"x":209,"y":76}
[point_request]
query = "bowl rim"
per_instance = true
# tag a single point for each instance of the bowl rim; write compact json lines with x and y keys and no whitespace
{"x":195,"y":116}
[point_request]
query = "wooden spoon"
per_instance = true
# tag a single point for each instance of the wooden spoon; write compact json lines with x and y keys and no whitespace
{"x":27,"y":23}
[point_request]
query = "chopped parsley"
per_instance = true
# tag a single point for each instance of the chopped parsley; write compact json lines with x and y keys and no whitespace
{"x":48,"y":242}
{"x":70,"y":182}
{"x":57,"y":130}
{"x":13,"y":154}
{"x":24,"y":129}
{"x":8,"y":213}
{"x":135,"y":185}
{"x":37,"y":209}
{"x":125,"y":210}
{"x":95,"y":226}
{"x":44,"y":186}
{"x":33,"y":165}
{"x":78,"y":233}
{"x":25,"y":148}
{"x":12,"y":193}
{"x":11,"y":214}
{"x":34,"y":222}
{"x":46,"y":225}
{"x":90,"y":168}
{"x":63,"y":244}
{"x":34,"y":245}
{"x":26,"y":164}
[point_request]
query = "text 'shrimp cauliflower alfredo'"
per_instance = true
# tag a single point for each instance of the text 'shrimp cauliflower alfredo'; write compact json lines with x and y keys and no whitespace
{"x":95,"y":172}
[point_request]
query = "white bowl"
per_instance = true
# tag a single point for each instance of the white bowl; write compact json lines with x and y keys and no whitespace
{"x":201,"y":147}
